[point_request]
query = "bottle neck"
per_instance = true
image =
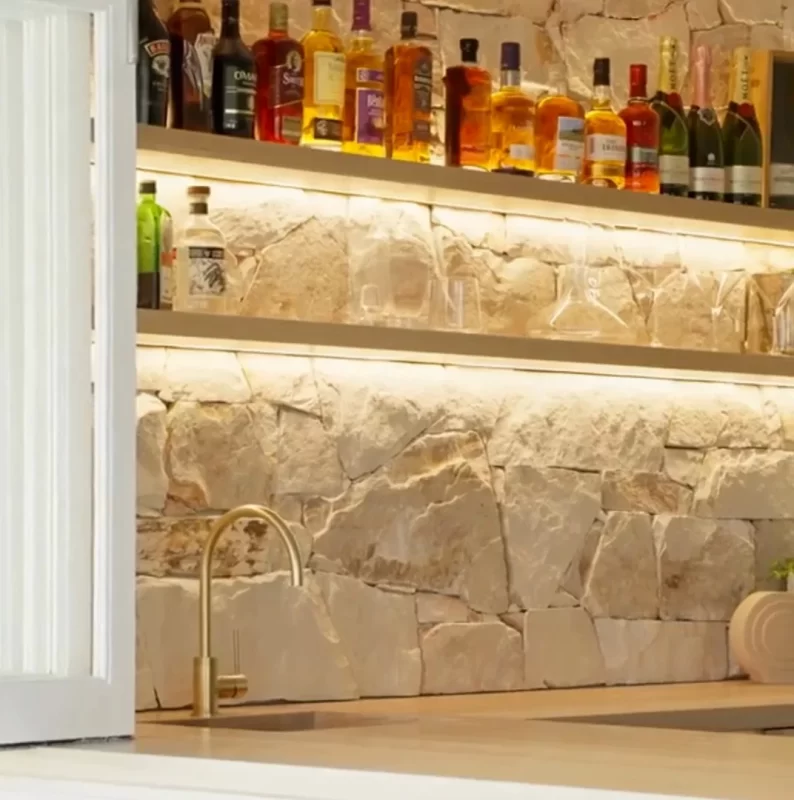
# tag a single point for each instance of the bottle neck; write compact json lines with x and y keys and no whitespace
{"x":321,"y":18}
{"x":740,"y":79}
{"x":701,"y":97}
{"x":147,"y":198}
{"x":668,"y":73}
{"x":510,"y":77}
{"x":230,"y":26}
{"x":601,"y":96}
{"x":638,"y":91}
{"x":200,"y":209}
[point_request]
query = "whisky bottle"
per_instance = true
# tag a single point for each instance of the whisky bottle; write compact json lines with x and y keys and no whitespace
{"x":642,"y":135}
{"x":559,"y":133}
{"x":364,"y":117}
{"x":279,"y":81}
{"x":154,"y":67}
{"x":706,"y":157}
{"x":324,"y":98}
{"x":604,"y":135}
{"x":155,"y":249}
{"x":742,"y":137}
{"x":512,"y":116}
{"x":409,"y":95}
{"x":202,"y":281}
{"x":467,"y":122}
{"x":673,"y":131}
{"x":233,"y":78}
{"x":192,"y":43}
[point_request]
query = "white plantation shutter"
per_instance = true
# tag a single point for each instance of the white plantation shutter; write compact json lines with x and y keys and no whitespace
{"x":66,"y":414}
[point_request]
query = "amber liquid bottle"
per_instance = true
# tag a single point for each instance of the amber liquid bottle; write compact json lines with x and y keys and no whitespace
{"x":559,"y":133}
{"x":467,"y":128}
{"x":279,"y":82}
{"x":192,"y":43}
{"x":642,"y":135}
{"x":409,"y":95}
{"x":604,"y":135}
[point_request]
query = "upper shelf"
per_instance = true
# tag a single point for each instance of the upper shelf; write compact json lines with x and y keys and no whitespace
{"x":203,"y":155}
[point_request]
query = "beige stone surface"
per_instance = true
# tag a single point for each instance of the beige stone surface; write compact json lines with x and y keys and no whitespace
{"x":547,"y":514}
{"x":774,"y":540}
{"x":703,"y":14}
{"x":561,"y":649}
{"x":220,"y":456}
{"x":695,"y":420}
{"x":432,"y":608}
{"x":429,"y":520}
{"x":622,"y":580}
{"x":651,"y":492}
{"x":378,"y":632}
{"x":284,"y":381}
{"x":151,"y":479}
{"x":551,"y":241}
{"x":779,"y":401}
{"x":706,"y":567}
{"x":683,"y":466}
{"x":651,"y":651}
{"x":746,"y":484}
{"x":150,"y":368}
{"x":205,"y":376}
{"x":173,"y":547}
{"x":461,"y":657}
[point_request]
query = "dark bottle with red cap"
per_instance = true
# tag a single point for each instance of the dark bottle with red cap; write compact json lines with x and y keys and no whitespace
{"x":642,"y":135}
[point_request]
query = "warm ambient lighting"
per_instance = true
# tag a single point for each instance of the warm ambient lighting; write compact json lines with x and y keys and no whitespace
{"x":206,"y":156}
{"x":336,"y":340}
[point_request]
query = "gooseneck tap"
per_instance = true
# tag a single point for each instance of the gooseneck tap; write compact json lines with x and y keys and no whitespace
{"x":208,"y":686}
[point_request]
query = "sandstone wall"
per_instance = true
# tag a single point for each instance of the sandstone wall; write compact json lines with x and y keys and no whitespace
{"x":464,"y":530}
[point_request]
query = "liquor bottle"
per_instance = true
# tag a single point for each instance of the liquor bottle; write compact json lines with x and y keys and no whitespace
{"x":324,"y":98}
{"x":642,"y":135}
{"x":559,"y":132}
{"x":202,"y":283}
{"x":192,"y":43}
{"x":364,"y":117}
{"x":233,"y":78}
{"x":706,"y":162}
{"x":604,"y":135}
{"x":512,"y":115}
{"x":155,"y":249}
{"x":154,"y":66}
{"x":467,"y":122}
{"x":409,"y":95}
{"x":673,"y":131}
{"x":279,"y":82}
{"x":741,"y":136}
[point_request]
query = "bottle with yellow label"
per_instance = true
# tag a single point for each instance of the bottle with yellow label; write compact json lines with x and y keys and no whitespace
{"x":604,"y":135}
{"x":324,"y":88}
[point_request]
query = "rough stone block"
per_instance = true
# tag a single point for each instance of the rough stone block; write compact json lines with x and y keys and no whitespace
{"x":650,"y":492}
{"x":151,"y":479}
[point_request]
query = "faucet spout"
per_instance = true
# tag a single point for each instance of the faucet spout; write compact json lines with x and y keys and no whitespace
{"x":207,"y":684}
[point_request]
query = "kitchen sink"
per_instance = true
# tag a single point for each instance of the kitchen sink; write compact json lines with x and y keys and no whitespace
{"x":291,"y":721}
{"x":768,"y":719}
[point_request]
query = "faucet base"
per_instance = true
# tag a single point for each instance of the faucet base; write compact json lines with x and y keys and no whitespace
{"x":205,"y":679}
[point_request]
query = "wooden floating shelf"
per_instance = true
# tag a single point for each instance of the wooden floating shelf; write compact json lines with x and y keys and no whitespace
{"x":208,"y":331}
{"x":202,"y":155}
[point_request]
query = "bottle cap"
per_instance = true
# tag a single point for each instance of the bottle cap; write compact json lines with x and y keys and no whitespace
{"x":668,"y":43}
{"x":198,"y":191}
{"x":468,"y":50}
{"x":279,"y":17}
{"x":147,"y":187}
{"x":638,"y":77}
{"x":409,"y":24}
{"x":601,"y":72}
{"x":511,"y":56}
{"x":361,"y":17}
{"x":231,"y":7}
{"x":321,"y":3}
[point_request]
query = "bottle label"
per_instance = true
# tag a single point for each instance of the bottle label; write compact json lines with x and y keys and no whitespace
{"x":205,"y":44}
{"x":743,"y":180}
{"x":205,"y":271}
{"x":605,"y":147}
{"x":421,"y":130}
{"x":674,"y":170}
{"x":369,"y":115}
{"x":521,"y":152}
{"x":239,"y":98}
{"x":329,"y":130}
{"x":781,"y":180}
{"x":643,"y":156}
{"x":423,"y":84}
{"x":155,"y":69}
{"x":364,"y":75}
{"x":707,"y":179}
{"x":166,"y":260}
{"x":286,"y":81}
{"x":569,"y":149}
{"x":329,"y":79}
{"x":290,"y":129}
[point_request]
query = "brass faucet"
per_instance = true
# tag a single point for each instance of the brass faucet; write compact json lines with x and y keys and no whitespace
{"x":208,"y":686}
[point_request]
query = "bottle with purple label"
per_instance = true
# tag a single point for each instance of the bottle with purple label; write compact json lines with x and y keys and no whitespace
{"x":364,"y":118}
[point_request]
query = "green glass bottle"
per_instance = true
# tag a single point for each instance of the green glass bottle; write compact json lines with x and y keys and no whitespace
{"x":155,"y":250}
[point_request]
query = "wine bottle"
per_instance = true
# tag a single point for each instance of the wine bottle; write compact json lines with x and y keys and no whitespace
{"x":673,"y":133}
{"x":741,"y":136}
{"x":706,"y":161}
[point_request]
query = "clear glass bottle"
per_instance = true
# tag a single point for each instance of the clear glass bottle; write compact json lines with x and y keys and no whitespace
{"x":642,"y":135}
{"x":559,"y":132}
{"x":512,"y":118}
{"x":202,"y":280}
{"x":604,"y":135}
{"x":324,"y":86}
{"x":364,"y":119}
{"x":409,"y":94}
{"x":467,"y":122}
